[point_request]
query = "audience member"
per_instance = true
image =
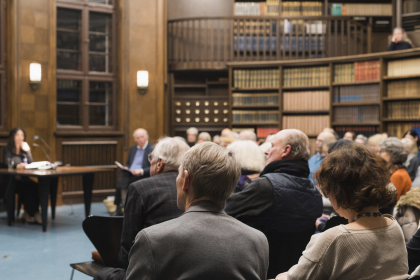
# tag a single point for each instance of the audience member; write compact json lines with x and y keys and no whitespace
{"x":371,"y":246}
{"x":393,"y":152}
{"x":225,"y":132}
{"x":337,"y":144}
{"x":413,"y":251}
{"x":350,"y":135}
{"x":407,"y":213}
{"x":225,"y":141}
{"x":182,"y":139}
{"x":412,"y":134}
{"x":14,"y":154}
{"x":192,"y":133}
{"x":399,"y":40}
{"x":216,"y":139}
{"x":150,"y":201}
{"x":251,"y":160}
{"x":248,"y":135}
{"x":361,"y":139}
{"x":326,"y":146}
{"x":204,"y":137}
{"x":315,"y":160}
{"x":204,"y":243}
{"x":283,"y":203}
{"x":373,"y":142}
{"x":412,"y":163}
{"x":137,"y":165}
{"x":330,"y":130}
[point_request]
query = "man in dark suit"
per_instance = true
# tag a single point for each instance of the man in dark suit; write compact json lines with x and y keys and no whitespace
{"x":137,"y":167}
{"x":203,"y":243}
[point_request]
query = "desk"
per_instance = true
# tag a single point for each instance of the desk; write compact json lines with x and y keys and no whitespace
{"x":47,"y":185}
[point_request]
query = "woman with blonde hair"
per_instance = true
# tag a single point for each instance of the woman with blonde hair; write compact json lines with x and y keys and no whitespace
{"x":373,"y":142}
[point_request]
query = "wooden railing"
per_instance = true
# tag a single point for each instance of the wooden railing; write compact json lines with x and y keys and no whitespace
{"x":209,"y":43}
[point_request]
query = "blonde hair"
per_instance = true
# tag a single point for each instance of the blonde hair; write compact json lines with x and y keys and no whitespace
{"x":227,"y":140}
{"x":248,"y":155}
{"x":410,"y":146}
{"x":214,"y":171}
{"x":375,"y":139}
{"x":204,"y":136}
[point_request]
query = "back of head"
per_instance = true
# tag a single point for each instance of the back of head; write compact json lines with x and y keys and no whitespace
{"x":298,"y":141}
{"x":248,"y":155}
{"x":355,"y":177}
{"x":204,"y":136}
{"x":247,"y":135}
{"x":214,"y":171}
{"x":171,"y":151}
{"x":395,"y":148}
{"x":334,"y":146}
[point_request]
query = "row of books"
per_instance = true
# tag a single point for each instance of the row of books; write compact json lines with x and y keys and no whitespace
{"x":250,"y":8}
{"x":262,"y":78}
{"x":364,"y":130}
{"x":356,"y":114}
{"x":312,"y":76}
{"x":404,"y":88}
{"x":306,"y":101}
{"x":287,"y":43}
{"x":338,"y":9}
{"x":356,"y":93}
{"x":398,"y":129}
{"x":259,"y":27}
{"x":255,"y":116}
{"x":263,"y":132}
{"x":255,"y":99}
{"x":411,"y":6}
{"x":310,"y":125}
{"x":403,"y":110}
{"x":298,"y":8}
{"x":404,"y":67}
{"x":357,"y":72}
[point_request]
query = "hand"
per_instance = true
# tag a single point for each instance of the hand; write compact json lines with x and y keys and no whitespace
{"x":393,"y":39}
{"x":281,"y":276}
{"x":21,"y":165}
{"x":137,"y":172}
{"x":126,"y":168}
{"x":25,"y":147}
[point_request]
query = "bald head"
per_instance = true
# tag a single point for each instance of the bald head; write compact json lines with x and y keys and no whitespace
{"x":226,"y":132}
{"x":247,"y":135}
{"x":325,"y":135}
{"x":140,"y":136}
{"x":289,"y":144}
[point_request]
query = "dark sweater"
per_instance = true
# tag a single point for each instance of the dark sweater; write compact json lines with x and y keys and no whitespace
{"x":399,"y":46}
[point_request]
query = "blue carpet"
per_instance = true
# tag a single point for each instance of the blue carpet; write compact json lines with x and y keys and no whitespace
{"x":28,"y":253}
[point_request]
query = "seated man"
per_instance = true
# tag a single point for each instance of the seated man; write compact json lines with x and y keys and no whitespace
{"x":283,"y":203}
{"x":316,"y":160}
{"x":137,"y":165}
{"x":203,"y":243}
{"x":150,"y":201}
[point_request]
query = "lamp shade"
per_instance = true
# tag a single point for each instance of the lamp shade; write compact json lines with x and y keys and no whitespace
{"x":35,"y":72}
{"x":142,"y":79}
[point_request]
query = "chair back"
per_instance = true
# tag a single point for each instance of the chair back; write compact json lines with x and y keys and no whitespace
{"x":105,"y":235}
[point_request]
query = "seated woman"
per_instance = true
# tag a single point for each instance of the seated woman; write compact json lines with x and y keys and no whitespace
{"x":15,"y":153}
{"x":393,"y":152}
{"x":399,"y":40}
{"x":355,"y":180}
{"x":407,"y":213}
{"x":412,"y":163}
{"x":251,"y":159}
{"x":412,"y":134}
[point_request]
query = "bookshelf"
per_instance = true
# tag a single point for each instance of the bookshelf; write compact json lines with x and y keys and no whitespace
{"x":410,"y":15}
{"x":367,"y":94}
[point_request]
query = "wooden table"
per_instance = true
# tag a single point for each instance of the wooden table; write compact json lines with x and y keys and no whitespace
{"x":47,"y":185}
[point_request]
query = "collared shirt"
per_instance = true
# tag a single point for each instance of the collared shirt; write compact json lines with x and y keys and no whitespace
{"x":138,"y":158}
{"x":314,"y":163}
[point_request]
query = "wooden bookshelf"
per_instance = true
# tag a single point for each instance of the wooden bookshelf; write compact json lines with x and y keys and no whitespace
{"x":345,"y":104}
{"x":401,"y":77}
{"x":356,"y":83}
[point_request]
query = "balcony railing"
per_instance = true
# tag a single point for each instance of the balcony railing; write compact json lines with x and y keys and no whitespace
{"x":209,"y":43}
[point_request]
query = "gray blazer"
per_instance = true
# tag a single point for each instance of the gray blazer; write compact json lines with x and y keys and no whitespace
{"x":203,"y":243}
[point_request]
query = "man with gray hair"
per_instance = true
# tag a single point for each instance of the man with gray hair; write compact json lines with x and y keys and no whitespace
{"x":282,"y":203}
{"x":150,"y":201}
{"x":203,"y":243}
{"x":192,"y":133}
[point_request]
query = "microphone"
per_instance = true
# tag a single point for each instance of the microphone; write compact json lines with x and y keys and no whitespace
{"x":43,"y":150}
{"x":36,"y":137}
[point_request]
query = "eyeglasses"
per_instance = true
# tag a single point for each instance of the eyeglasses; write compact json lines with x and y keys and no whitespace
{"x":150,"y":157}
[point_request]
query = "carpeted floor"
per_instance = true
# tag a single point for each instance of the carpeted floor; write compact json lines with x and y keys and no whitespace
{"x":28,"y":253}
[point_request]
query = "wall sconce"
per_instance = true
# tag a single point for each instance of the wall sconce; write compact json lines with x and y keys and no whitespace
{"x":142,"y":82}
{"x":35,"y":74}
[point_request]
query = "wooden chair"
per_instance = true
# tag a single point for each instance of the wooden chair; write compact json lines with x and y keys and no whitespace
{"x":105,"y":235}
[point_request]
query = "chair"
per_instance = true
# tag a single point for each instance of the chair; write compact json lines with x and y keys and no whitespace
{"x":413,"y":278}
{"x":105,"y":235}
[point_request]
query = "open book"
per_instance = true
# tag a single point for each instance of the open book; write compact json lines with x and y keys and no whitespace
{"x":122,"y":167}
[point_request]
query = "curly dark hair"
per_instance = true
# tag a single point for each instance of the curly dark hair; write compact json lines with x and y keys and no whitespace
{"x":11,"y":140}
{"x":356,"y":178}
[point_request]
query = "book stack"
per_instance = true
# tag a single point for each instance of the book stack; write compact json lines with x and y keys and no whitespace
{"x":404,"y":67}
{"x":357,"y":72}
{"x":273,"y":7}
{"x":255,"y":99}
{"x":404,"y":88}
{"x":364,"y":130}
{"x":296,"y":8}
{"x":403,"y":110}
{"x":310,"y":125}
{"x":262,"y":78}
{"x":356,"y":114}
{"x":263,"y":132}
{"x":338,"y":9}
{"x":357,"y":93}
{"x":250,"y":8}
{"x":255,"y":116}
{"x":306,"y":101}
{"x":398,"y":129}
{"x":301,"y":77}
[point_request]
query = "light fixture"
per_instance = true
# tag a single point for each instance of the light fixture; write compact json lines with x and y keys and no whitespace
{"x":35,"y":74}
{"x":142,"y":81}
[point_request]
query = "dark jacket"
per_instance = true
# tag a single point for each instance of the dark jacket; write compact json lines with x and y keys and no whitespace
{"x":204,"y":243}
{"x":146,"y":163}
{"x":412,"y":167}
{"x":16,"y":158}
{"x":399,"y":46}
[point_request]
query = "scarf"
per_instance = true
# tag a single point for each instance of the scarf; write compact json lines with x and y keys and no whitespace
{"x":244,"y":180}
{"x":295,"y":167}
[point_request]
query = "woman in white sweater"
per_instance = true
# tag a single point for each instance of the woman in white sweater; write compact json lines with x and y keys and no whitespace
{"x":372,"y":245}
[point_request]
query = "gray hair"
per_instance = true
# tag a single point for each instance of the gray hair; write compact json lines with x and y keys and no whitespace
{"x":205,"y":136}
{"x":395,"y":148}
{"x":248,"y":155}
{"x":247,"y":135}
{"x":192,"y":130}
{"x":361,"y":136}
{"x":410,"y":146}
{"x":299,"y":143}
{"x":214,"y":171}
{"x":171,"y":151}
